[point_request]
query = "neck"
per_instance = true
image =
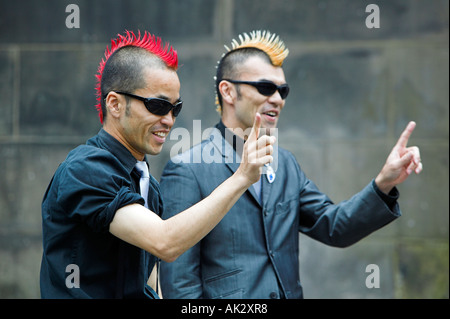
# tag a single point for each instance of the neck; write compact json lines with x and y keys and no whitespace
{"x":114,"y":132}
{"x":234,"y":125}
{"x":233,"y":139}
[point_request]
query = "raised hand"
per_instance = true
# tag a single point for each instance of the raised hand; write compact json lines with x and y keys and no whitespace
{"x":256,"y":153}
{"x":401,"y":162}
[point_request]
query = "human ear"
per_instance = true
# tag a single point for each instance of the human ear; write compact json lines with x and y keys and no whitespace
{"x":227,"y":91}
{"x":114,"y":104}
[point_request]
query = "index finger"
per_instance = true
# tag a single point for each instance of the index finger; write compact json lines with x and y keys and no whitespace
{"x":254,"y":133}
{"x":403,"y":140}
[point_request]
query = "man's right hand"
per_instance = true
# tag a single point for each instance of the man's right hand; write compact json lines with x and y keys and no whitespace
{"x":257,"y":152}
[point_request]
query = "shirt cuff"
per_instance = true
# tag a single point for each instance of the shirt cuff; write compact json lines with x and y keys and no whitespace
{"x":125,"y":196}
{"x":390,"y":199}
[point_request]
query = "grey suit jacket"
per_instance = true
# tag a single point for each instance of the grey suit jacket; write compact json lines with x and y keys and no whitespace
{"x":253,"y":252}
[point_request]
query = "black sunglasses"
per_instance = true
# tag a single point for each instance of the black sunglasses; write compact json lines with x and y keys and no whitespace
{"x":266,"y":88}
{"x":156,"y":105}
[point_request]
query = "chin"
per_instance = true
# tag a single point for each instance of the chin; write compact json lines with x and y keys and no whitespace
{"x":154,"y":150}
{"x":267,"y":124}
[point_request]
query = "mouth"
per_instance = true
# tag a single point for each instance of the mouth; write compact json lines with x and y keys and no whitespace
{"x":160,"y":135}
{"x":271,"y":115}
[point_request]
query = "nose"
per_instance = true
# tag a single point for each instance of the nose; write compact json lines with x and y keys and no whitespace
{"x":276,"y":99}
{"x":168,"y":119}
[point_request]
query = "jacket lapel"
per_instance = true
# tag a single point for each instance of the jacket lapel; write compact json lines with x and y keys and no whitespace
{"x":266,"y":186}
{"x":266,"y":189}
{"x":230,"y":157}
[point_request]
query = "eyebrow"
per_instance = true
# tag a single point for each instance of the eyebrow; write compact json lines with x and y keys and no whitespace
{"x":271,"y":81}
{"x":163,"y":97}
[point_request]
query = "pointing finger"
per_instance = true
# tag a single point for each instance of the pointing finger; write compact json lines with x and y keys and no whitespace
{"x":254,"y":133}
{"x":403,"y":140}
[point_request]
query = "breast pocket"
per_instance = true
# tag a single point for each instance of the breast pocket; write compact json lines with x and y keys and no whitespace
{"x":286,"y":206}
{"x":283,"y":226}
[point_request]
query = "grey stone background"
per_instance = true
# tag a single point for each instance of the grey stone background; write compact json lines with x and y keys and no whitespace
{"x":353,"y":91}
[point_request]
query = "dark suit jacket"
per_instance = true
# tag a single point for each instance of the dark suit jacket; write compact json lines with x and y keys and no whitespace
{"x":254,"y":252}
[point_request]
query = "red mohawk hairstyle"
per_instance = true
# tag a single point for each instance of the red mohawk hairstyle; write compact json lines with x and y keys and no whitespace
{"x":148,"y":42}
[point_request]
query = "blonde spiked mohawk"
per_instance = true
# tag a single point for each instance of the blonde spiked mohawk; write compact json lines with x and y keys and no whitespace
{"x":269,"y":43}
{"x":265,"y":41}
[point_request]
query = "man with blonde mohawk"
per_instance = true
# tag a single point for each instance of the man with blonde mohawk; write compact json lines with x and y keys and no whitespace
{"x":253,"y":253}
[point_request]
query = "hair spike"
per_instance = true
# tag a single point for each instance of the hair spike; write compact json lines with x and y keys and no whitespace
{"x":267,"y":42}
{"x":149,"y":42}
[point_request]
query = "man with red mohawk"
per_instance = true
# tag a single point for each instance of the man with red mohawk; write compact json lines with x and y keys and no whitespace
{"x":101,"y":237}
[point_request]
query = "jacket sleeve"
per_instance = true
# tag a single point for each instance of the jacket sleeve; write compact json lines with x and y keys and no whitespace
{"x":346,"y":223}
{"x":180,"y":279}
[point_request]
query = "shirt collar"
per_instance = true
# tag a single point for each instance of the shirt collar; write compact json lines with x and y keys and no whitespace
{"x":108,"y":142}
{"x":231,"y":138}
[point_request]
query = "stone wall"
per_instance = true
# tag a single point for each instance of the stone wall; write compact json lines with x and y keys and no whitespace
{"x":353,"y":90}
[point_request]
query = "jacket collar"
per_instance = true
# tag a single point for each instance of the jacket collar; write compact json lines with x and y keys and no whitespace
{"x":223,"y":139}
